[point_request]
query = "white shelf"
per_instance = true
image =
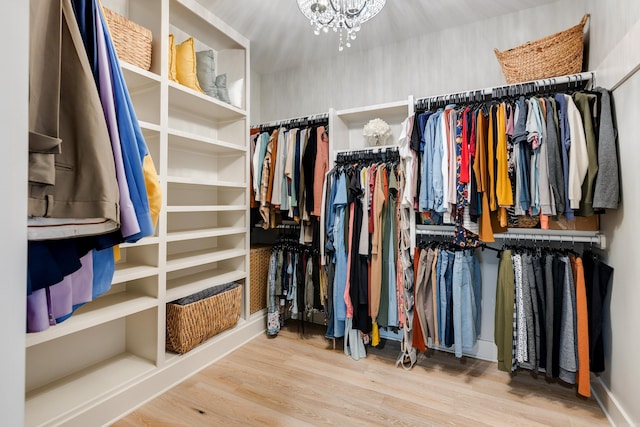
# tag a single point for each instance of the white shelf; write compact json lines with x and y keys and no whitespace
{"x":65,"y":396}
{"x":148,"y":126}
{"x":196,"y":258}
{"x":193,"y":142}
{"x":126,"y":272}
{"x":108,"y":357}
{"x":139,"y":80}
{"x":397,"y":109}
{"x":208,"y":182}
{"x":188,"y":285}
{"x":206,"y":208}
{"x":200,"y":105}
{"x":204,"y":233}
{"x":151,"y":240}
{"x":102,"y":310}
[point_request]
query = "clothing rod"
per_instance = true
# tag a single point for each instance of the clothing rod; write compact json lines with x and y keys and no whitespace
{"x":321,"y":116}
{"x":537,"y":84}
{"x":374,"y":150}
{"x":534,"y":235}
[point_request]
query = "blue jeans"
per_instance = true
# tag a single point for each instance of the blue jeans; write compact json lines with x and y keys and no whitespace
{"x":465,"y":309}
{"x":445,"y":277}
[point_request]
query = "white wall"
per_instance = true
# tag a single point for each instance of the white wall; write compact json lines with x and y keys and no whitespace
{"x":614,"y":53}
{"x":430,"y":64}
{"x":14,"y":24}
{"x":622,"y":345}
{"x":255,"y":101}
{"x":462,"y":59}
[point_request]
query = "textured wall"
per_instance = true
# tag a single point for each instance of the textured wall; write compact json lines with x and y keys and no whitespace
{"x":614,"y":39}
{"x":429,"y":64}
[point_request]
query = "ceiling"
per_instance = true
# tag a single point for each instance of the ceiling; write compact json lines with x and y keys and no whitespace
{"x":281,"y":37}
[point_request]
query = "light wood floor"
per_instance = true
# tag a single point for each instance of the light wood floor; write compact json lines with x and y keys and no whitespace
{"x":296,"y":380}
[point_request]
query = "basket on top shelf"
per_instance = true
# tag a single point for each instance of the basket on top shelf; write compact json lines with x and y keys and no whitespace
{"x":132,"y":41}
{"x":555,"y":55}
{"x":194,"y":319}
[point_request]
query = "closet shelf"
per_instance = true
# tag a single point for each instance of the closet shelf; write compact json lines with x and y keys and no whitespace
{"x":171,"y":358}
{"x":208,"y":182}
{"x":176,"y":236}
{"x":362,"y":115}
{"x":139,"y":80}
{"x":526,"y":234}
{"x":188,"y":285}
{"x":193,"y":142}
{"x":200,"y":105}
{"x":126,"y":272}
{"x":60,"y":400}
{"x":102,"y":310}
{"x":151,"y":240}
{"x":148,"y":126}
{"x":206,"y":256}
{"x":206,"y":208}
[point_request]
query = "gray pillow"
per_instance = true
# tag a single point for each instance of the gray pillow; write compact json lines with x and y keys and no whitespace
{"x":221,"y":87}
{"x":206,"y":71}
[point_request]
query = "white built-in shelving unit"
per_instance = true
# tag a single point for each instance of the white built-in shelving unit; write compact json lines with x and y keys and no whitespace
{"x":109,"y":357}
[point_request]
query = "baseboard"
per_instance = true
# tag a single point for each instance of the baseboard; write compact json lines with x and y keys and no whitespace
{"x":609,"y":404}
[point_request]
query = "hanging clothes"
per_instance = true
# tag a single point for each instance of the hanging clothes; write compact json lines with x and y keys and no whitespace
{"x":515,"y":162}
{"x":547,"y":294}
{"x":361,"y":233}
{"x":64,"y":274}
{"x":448,"y":297}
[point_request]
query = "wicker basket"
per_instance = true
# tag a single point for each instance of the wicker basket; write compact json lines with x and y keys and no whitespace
{"x":192,"y":324}
{"x":259,"y":267}
{"x":555,"y":55}
{"x":132,"y":41}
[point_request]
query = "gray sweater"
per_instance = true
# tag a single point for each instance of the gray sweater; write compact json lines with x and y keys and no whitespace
{"x":607,"y":190}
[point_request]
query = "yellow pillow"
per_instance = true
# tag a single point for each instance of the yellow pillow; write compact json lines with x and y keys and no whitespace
{"x":172,"y":59}
{"x":186,"y":65}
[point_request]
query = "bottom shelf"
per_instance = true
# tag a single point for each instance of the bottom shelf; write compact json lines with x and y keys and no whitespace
{"x":58,"y":400}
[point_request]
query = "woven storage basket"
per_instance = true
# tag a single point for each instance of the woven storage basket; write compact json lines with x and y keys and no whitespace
{"x":556,"y":55}
{"x":192,"y":324}
{"x":259,"y":267}
{"x":132,"y":41}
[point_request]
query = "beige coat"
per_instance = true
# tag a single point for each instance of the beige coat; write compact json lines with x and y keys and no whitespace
{"x":71,"y":168}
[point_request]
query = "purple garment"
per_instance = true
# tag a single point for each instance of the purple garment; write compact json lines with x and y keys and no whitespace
{"x":565,"y":145}
{"x":56,"y":302}
{"x":128,"y":219}
{"x":37,"y":311}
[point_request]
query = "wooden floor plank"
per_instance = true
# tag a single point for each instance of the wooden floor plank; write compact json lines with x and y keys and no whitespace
{"x":300,"y":379}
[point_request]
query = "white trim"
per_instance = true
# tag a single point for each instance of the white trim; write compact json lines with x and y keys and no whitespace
{"x":616,"y":415}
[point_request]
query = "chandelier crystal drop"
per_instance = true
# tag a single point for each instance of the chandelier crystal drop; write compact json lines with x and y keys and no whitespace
{"x":342,"y":16}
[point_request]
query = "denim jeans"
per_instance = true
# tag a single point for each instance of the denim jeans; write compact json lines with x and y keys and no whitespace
{"x":445,"y":276}
{"x":465,"y":310}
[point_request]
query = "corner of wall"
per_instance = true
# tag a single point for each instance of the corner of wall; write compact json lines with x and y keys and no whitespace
{"x":255,"y":107}
{"x":609,"y":404}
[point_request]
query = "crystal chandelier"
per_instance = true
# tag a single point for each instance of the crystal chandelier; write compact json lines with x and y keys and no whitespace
{"x":343,"y":16}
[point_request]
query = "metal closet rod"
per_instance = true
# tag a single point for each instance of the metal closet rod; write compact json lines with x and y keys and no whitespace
{"x":500,"y":91}
{"x":321,"y":116}
{"x":374,"y":150}
{"x":593,"y":238}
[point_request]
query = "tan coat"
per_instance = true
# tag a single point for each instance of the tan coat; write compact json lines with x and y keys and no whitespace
{"x":71,"y":168}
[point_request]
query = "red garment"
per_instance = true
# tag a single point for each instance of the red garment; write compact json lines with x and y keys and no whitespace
{"x":464,"y":157}
{"x":583,"y":379}
{"x":373,"y":170}
{"x":418,"y":340}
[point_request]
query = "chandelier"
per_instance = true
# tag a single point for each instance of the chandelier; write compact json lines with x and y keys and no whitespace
{"x":342,"y":16}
